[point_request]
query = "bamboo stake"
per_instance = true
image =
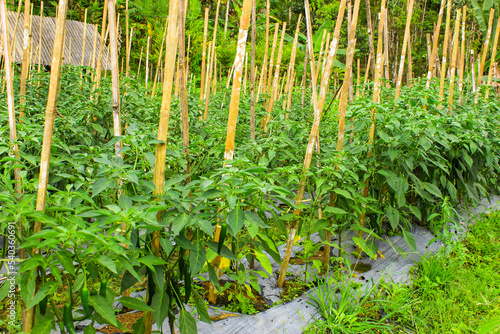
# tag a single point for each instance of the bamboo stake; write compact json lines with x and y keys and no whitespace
{"x":318,"y":107}
{"x":304,"y":77}
{"x":453,"y":64}
{"x":203,"y":59}
{"x":161,"y":148}
{"x":275,"y":84}
{"x":253,"y":72}
{"x":291,"y":66}
{"x":29,"y":315}
{"x":271,"y":60}
{"x":140,"y":60}
{"x":127,"y":40}
{"x":370,"y":36}
{"x":10,"y":90}
{"x":115,"y":77}
{"x":40,"y":41}
{"x":183,"y":91}
{"x":147,"y":60}
{"x":445,"y":51}
{"x":493,"y":57}
{"x":327,"y":47}
{"x":321,"y":52}
{"x":26,"y":55}
{"x":245,"y":76}
{"x":435,"y":44}
{"x":462,"y":54}
{"x":101,"y":49}
{"x":376,"y":92}
{"x":13,"y":45}
{"x":386,"y":47}
{"x":212,"y":59}
{"x":263,"y":74}
{"x":367,"y":69}
{"x":410,"y":63}
{"x":159,"y":60}
{"x":227,"y":16}
{"x":473,"y":65}
{"x":485,"y":50}
{"x":403,"y":51}
{"x":84,"y":37}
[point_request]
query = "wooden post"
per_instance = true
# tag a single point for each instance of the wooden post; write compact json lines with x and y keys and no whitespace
{"x":462,"y":54}
{"x":493,"y":57}
{"x":453,"y":63}
{"x":29,"y":315}
{"x":435,"y":44}
{"x":26,"y":55}
{"x":403,"y":51}
{"x":203,"y":59}
{"x":318,"y":107}
{"x":253,"y":72}
{"x":445,"y":51}
{"x":212,"y":61}
{"x":485,"y":50}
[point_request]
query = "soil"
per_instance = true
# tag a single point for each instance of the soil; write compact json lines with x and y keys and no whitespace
{"x":294,"y":288}
{"x":127,"y":319}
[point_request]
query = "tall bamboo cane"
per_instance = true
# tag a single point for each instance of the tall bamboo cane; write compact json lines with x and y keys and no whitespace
{"x":253,"y":71}
{"x":182,"y":83}
{"x":493,"y":57}
{"x":435,"y":44}
{"x":271,"y":60}
{"x":370,"y":35}
{"x":101,"y":49}
{"x":403,"y":50}
{"x":159,"y":61}
{"x":445,"y":50}
{"x":318,"y":104}
{"x":212,"y":65}
{"x":127,"y":40}
{"x":147,"y":61}
{"x":263,"y":74}
{"x":485,"y":50}
{"x":26,"y":56}
{"x":203,"y":59}
{"x":376,"y":92}
{"x":453,"y":63}
{"x":462,"y":54}
{"x":291,"y":66}
{"x":275,"y":84}
{"x":28,"y":320}
{"x":115,"y":76}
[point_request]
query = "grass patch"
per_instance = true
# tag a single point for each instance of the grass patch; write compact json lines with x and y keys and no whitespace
{"x":456,"y":290}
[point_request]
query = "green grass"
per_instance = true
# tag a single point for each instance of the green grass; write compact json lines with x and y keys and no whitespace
{"x":454,"y":291}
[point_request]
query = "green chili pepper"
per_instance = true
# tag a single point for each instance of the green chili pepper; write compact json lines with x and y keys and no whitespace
{"x":182,"y":263}
{"x":43,"y":305}
{"x":85,"y":301}
{"x":177,"y":293}
{"x":222,"y":237}
{"x":68,"y":319}
{"x":102,"y":290}
{"x":187,"y":284}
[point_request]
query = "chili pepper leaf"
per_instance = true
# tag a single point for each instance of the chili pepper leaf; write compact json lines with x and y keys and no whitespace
{"x":187,"y":323}
{"x":134,"y":304}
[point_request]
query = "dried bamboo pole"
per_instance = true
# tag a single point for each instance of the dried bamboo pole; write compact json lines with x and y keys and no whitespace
{"x":485,"y":50}
{"x":325,"y":56}
{"x":127,"y":40}
{"x":453,"y":64}
{"x":318,"y":108}
{"x":115,"y":77}
{"x":245,"y":75}
{"x":203,"y":59}
{"x":275,"y":84}
{"x":101,"y":49}
{"x":493,"y":57}
{"x":227,"y":16}
{"x":473,"y":65}
{"x":435,"y":44}
{"x":10,"y":89}
{"x":403,"y":50}
{"x":376,"y":93}
{"x":214,"y":78}
{"x":321,"y":54}
{"x":210,"y":73}
{"x":161,"y":148}
{"x":182,"y":85}
{"x":445,"y":51}
{"x":40,"y":31}
{"x":140,"y":61}
{"x":263,"y":73}
{"x":271,"y":60}
{"x":147,"y":61}
{"x":386,"y":47}
{"x":370,"y":36}
{"x":159,"y":60}
{"x":462,"y":54}
{"x":304,"y":78}
{"x":26,"y":54}
{"x":291,"y":66}
{"x":29,"y":314}
{"x":410,"y":63}
{"x":253,"y":72}
{"x":84,"y":37}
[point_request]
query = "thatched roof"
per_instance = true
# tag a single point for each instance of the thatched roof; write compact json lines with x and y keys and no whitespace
{"x":73,"y":41}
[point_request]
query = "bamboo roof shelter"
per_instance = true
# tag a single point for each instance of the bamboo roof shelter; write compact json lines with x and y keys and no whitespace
{"x":73,"y":41}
